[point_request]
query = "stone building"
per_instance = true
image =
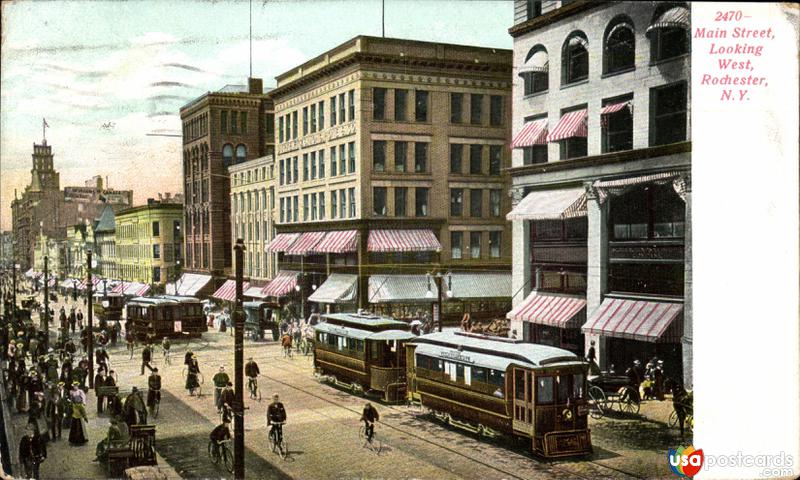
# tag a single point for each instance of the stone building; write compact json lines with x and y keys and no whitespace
{"x":220,"y":129}
{"x":601,"y":180}
{"x":105,"y":244}
{"x":149,"y":243}
{"x":391,"y":158}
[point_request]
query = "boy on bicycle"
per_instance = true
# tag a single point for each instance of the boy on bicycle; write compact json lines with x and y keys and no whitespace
{"x":276,"y":417}
{"x":369,"y":416}
{"x":220,"y":433}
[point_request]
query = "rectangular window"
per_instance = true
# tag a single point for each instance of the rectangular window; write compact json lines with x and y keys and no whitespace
{"x":456,"y":154}
{"x":456,"y":245}
{"x":495,"y":159}
{"x":334,"y":212}
{"x":313,"y":163}
{"x":342,"y":204}
{"x":400,"y":194}
{"x":156,"y":251}
{"x":280,"y":130}
{"x":342,"y":108}
{"x":421,"y":105}
{"x":668,"y":117}
{"x":351,"y":97}
{"x":495,"y":110}
{"x":379,"y":201}
{"x":379,"y":103}
{"x":282,"y":210}
{"x":156,"y":274}
{"x":296,"y":170}
{"x":475,"y":245}
{"x":243,"y":123}
{"x":313,"y":206}
{"x":420,"y":157}
{"x":305,"y":120}
{"x":476,"y":203}
{"x":322,"y":164}
{"x":333,"y":110}
{"x":456,"y":202}
{"x":351,"y":157}
{"x":475,"y":159}
{"x":333,"y":161}
{"x":294,"y":124}
{"x":156,"y":229}
{"x":234,"y":121}
{"x":544,"y":390}
{"x":400,"y":156}
{"x":223,"y":121}
{"x":322,"y":205}
{"x":421,"y":202}
{"x":534,"y":155}
{"x":534,"y":8}
{"x":295,"y":207}
{"x":494,"y":244}
{"x":456,"y":107}
{"x":351,"y":193}
{"x":305,"y":207}
{"x":305,"y":167}
{"x":342,"y":160}
{"x":400,"y":102}
{"x":494,"y":202}
{"x":379,"y":155}
{"x":313,"y":117}
{"x":475,"y":108}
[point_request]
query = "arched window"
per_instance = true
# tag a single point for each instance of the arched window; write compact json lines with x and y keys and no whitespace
{"x":535,"y":71}
{"x":575,"y":58}
{"x":241,"y":153}
{"x":204,"y":156}
{"x":227,"y":154}
{"x":669,"y":31}
{"x":619,"y":45}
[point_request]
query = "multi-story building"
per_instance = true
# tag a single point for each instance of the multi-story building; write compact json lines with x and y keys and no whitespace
{"x":105,"y":244}
{"x":54,"y":248}
{"x":600,"y":180}
{"x":220,"y":129}
{"x":79,"y":238}
{"x":252,"y":215}
{"x":6,"y":248}
{"x":391,"y":158}
{"x":149,"y":243}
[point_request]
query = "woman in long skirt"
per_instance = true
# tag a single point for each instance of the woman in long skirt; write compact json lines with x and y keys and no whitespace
{"x":77,"y":428}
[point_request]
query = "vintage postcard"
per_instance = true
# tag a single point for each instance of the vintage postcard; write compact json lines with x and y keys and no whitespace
{"x":401,"y":239}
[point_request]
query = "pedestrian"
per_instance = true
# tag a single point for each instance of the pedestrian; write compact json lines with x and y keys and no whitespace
{"x":77,"y":429}
{"x":79,"y":317}
{"x":146,"y":357}
{"x":72,"y":319}
{"x":222,"y":325}
{"x":220,"y":380}
{"x":99,"y":383}
{"x":55,"y":409}
{"x":51,"y":368}
{"x":111,"y":382}
{"x":23,"y":379}
{"x":32,"y":452}
{"x":658,"y":379}
{"x":153,"y":389}
{"x":134,"y":408}
{"x":192,"y":375}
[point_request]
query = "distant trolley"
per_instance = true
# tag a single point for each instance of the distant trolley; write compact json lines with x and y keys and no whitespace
{"x":363,"y":352}
{"x":108,"y":307}
{"x":166,"y":316}
{"x":492,"y":385}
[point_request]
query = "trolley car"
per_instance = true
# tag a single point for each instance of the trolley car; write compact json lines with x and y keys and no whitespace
{"x":108,"y":307}
{"x":492,"y":385}
{"x":363,"y":352}
{"x":165,"y":316}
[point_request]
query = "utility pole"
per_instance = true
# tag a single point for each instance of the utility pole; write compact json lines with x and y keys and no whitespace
{"x":14,"y":289}
{"x":90,"y":337}
{"x":238,"y":367}
{"x":46,"y":319}
{"x":438,"y":278}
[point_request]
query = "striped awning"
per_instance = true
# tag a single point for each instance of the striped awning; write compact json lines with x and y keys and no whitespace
{"x":142,"y":291}
{"x":282,"y":285}
{"x":338,"y":288}
{"x":676,"y":17}
{"x":401,"y":288}
{"x":340,"y":241}
{"x":551,"y":205}
{"x":550,"y":309}
{"x":538,"y":63}
{"x":614,"y":107}
{"x":188,"y":285}
{"x":646,"y":321}
{"x":36,"y":275}
{"x":532,"y":133}
{"x":305,"y":243}
{"x":606,"y":188}
{"x":68,"y":283}
{"x":254,"y":292}
{"x":478,"y":285}
{"x":572,"y":124}
{"x":422,"y":240}
{"x":227,"y":291}
{"x":118,"y":288}
{"x":282,"y":242}
{"x":95,"y":281}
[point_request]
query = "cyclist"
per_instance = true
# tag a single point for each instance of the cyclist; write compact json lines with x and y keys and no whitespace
{"x":220,"y":433}
{"x":252,"y":372}
{"x":165,"y":345}
{"x":227,"y":399}
{"x":369,"y":416}
{"x":286,"y":343}
{"x":153,"y":390}
{"x":221,"y":379}
{"x":276,"y":417}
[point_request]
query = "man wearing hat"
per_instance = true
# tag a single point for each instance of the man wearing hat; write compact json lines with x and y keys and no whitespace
{"x":153,"y":389}
{"x":32,"y":452}
{"x":276,"y":417}
{"x":251,"y":371}
{"x":146,"y":357}
{"x":134,"y":408}
{"x":220,"y":380}
{"x":227,"y":399}
{"x":658,"y":379}
{"x":51,"y":367}
{"x":220,"y":433}
{"x":54,"y":410}
{"x":100,"y":382}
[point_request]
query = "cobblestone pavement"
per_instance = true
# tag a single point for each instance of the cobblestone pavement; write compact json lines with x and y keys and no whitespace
{"x":322,"y":430}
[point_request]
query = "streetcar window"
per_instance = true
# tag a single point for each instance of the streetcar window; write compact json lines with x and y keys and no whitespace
{"x":450,"y":369}
{"x":332,"y":340}
{"x":519,"y":384}
{"x":544,"y":390}
{"x":351,"y":343}
{"x":479,"y":374}
{"x":497,"y":378}
{"x":342,"y":343}
{"x":563,"y":388}
{"x":439,"y":364}
{"x":460,"y":372}
{"x":468,"y":375}
{"x":423,"y":362}
{"x":360,"y":345}
{"x":577,"y":385}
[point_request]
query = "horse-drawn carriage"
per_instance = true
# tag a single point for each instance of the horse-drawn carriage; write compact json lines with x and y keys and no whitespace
{"x":259,"y":317}
{"x":608,"y":392}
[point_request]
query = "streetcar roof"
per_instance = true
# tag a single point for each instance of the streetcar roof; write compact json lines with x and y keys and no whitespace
{"x":343,"y":331}
{"x":151,"y":301}
{"x":254,"y":304}
{"x":516,"y":351}
{"x":180,"y":298}
{"x":366,"y":320}
{"x":471,"y":358}
{"x":392,"y":335}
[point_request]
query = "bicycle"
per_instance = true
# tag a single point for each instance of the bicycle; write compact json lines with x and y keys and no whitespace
{"x":156,"y":404}
{"x":371,"y":442}
{"x":199,"y":387}
{"x":223,"y":452}
{"x":252,"y":386}
{"x":287,"y":352}
{"x":278,"y":444}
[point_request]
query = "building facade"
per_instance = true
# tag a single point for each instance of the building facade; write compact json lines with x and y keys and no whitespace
{"x":149,"y":243}
{"x":601,"y":180}
{"x":385,"y":139}
{"x":79,"y":238}
{"x":105,"y":244}
{"x":253,"y":215}
{"x":54,"y":248}
{"x":220,"y":129}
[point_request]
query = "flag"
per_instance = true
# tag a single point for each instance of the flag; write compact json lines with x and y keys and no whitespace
{"x":44,"y":123}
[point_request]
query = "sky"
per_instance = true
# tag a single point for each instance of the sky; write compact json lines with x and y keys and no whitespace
{"x":107,"y":74}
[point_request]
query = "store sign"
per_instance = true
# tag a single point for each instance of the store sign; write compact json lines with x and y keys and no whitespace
{"x":178,"y":326}
{"x":457,"y":356}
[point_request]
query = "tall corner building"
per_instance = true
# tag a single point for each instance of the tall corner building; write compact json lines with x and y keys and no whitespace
{"x":601,"y":180}
{"x":220,"y":129}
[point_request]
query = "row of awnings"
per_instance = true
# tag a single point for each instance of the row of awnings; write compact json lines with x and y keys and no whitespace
{"x":563,"y":203}
{"x":133,"y":289}
{"x":643,"y":320}
{"x":572,"y":124}
{"x":345,"y":241}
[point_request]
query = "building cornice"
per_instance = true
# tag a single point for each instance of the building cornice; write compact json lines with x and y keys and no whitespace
{"x":553,"y":16}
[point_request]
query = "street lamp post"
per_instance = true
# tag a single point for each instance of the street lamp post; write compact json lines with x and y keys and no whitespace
{"x":238,"y":360}
{"x":14,"y":289}
{"x":46,"y":319}
{"x":437,"y":277}
{"x":90,"y":337}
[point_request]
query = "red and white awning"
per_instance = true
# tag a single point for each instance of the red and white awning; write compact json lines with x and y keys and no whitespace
{"x":551,"y":205}
{"x":119,"y":288}
{"x":51,"y":282}
{"x":227,"y":291}
{"x":572,"y":124}
{"x":95,"y":281}
{"x":280,"y":286}
{"x":532,"y":133}
{"x":254,"y":292}
{"x":422,"y":240}
{"x":282,"y":242}
{"x":341,"y":241}
{"x":549,"y":309}
{"x":142,"y":291}
{"x":305,"y":243}
{"x":676,"y":17}
{"x":637,"y":320}
{"x":614,"y":107}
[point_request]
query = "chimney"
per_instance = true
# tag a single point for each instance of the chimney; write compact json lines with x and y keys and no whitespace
{"x":255,"y":85}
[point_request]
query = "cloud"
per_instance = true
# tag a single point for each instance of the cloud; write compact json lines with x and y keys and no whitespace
{"x":169,"y":84}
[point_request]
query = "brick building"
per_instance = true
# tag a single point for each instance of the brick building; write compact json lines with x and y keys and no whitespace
{"x":601,"y":180}
{"x":149,"y":243}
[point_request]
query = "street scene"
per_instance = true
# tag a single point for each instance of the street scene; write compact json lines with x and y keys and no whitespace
{"x":439,"y":253}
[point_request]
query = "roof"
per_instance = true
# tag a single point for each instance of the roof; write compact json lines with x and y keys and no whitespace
{"x":180,"y":298}
{"x":534,"y":354}
{"x":365,"y":320}
{"x":151,"y":301}
{"x":106,"y":222}
{"x":361,"y":334}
